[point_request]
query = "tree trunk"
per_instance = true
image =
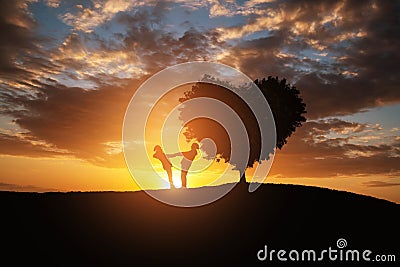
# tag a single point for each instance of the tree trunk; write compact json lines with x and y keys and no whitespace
{"x":242,"y":177}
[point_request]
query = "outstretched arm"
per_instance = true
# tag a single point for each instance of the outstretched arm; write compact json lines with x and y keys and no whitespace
{"x":174,"y":155}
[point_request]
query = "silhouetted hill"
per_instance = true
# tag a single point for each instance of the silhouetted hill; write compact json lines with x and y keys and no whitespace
{"x":131,"y":228}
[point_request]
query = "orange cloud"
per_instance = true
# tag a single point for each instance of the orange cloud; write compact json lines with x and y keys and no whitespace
{"x":86,"y":19}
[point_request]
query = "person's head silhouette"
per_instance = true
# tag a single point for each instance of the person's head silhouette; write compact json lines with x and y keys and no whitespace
{"x":157,"y":148}
{"x":195,"y":146}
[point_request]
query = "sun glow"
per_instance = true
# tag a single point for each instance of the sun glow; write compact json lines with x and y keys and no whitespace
{"x":170,"y":136}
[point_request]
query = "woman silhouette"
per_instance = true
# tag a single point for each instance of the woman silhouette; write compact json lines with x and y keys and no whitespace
{"x":188,"y":157}
{"x":159,"y":154}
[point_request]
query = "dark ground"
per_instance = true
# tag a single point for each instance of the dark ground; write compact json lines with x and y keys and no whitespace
{"x":131,"y":228}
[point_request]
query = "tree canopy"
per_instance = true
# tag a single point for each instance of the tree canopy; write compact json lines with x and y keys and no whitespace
{"x":284,"y":100}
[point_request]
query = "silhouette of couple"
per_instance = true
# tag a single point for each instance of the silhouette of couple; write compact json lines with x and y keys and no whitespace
{"x":186,"y":162}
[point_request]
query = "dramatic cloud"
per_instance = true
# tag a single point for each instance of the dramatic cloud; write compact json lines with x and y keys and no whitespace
{"x":22,"y":188}
{"x":81,"y":62}
{"x":85,"y":124}
{"x":85,"y":19}
{"x":157,"y":48}
{"x":53,"y":3}
{"x":22,"y":57}
{"x":342,"y":55}
{"x":329,"y":148}
{"x":27,"y":145}
{"x":144,"y":48}
{"x":380,"y":184}
{"x":15,"y":26}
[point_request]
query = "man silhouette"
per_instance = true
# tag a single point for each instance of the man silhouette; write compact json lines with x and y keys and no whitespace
{"x":188,"y":157}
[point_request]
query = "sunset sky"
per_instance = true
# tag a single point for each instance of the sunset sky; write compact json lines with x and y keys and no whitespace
{"x":68,"y":70}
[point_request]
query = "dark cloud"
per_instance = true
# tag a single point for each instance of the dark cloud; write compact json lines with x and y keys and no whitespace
{"x":379,"y":184}
{"x":344,"y":96}
{"x":259,"y":58}
{"x":28,"y":146}
{"x":360,"y":37}
{"x":335,"y":125}
{"x":147,"y":43}
{"x":312,"y":153}
{"x":22,"y":53}
{"x":157,"y":47}
{"x":18,"y":39}
{"x":23,"y":188}
{"x":85,"y":123}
